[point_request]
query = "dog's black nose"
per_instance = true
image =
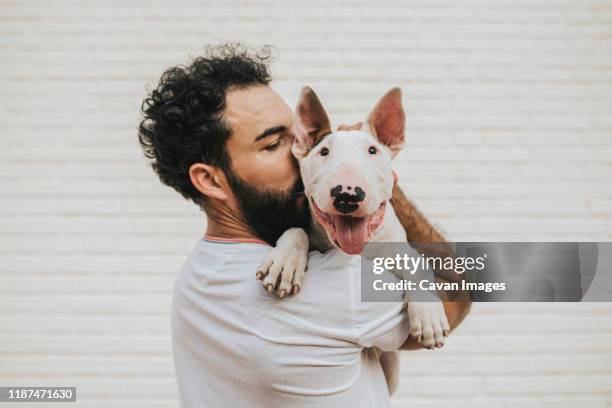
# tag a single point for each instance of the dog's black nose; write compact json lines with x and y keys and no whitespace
{"x":347,"y":200}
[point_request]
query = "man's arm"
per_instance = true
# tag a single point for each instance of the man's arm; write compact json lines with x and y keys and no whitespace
{"x":420,"y":233}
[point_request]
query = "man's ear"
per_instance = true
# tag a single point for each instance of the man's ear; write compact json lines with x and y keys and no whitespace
{"x":208,"y":180}
{"x":310,"y":123}
{"x":388,"y":120}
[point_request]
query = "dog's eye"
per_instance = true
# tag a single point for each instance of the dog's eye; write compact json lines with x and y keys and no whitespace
{"x":324,"y":151}
{"x":372,"y":150}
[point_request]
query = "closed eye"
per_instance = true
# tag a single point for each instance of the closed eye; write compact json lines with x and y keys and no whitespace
{"x":272,"y":146}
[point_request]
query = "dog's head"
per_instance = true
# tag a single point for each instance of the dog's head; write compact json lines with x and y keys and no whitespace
{"x":347,"y":174}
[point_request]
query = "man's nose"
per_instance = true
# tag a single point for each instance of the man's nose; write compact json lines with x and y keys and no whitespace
{"x":347,"y":198}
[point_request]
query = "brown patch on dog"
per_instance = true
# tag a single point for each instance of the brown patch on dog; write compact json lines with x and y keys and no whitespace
{"x":355,"y":126}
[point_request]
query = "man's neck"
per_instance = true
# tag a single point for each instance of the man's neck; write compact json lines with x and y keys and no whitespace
{"x":214,"y":229}
{"x":222,"y":223}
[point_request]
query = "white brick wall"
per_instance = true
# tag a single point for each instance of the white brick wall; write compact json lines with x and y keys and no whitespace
{"x":509,"y":138}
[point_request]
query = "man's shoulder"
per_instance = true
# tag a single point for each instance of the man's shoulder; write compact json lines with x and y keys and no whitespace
{"x":208,"y":257}
{"x":333,"y":258}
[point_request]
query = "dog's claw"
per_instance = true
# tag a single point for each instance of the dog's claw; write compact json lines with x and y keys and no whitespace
{"x":269,"y":288}
{"x":295,"y":289}
{"x":423,"y":327}
{"x":282,"y":293}
{"x":259,"y":275}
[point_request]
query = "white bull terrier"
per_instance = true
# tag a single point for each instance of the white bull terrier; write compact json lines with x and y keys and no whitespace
{"x":348,"y":181}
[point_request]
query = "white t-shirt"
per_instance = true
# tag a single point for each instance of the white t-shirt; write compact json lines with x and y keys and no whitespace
{"x":237,"y":345}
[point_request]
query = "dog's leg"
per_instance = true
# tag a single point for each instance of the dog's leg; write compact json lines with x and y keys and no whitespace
{"x":284,"y":267}
{"x":428,"y":321}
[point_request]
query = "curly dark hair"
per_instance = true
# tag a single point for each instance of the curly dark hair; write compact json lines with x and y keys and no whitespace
{"x":182,"y":117}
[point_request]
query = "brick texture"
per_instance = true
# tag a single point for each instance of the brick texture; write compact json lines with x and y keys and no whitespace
{"x":509,"y":132}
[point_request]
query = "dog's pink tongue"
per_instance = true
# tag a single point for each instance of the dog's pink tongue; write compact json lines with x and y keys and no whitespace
{"x":351,"y":233}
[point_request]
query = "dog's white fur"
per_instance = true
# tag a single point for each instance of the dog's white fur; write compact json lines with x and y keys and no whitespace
{"x":354,"y":158}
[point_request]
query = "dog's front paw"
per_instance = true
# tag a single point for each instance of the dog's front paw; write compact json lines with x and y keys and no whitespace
{"x":428,"y":323}
{"x":283,"y":269}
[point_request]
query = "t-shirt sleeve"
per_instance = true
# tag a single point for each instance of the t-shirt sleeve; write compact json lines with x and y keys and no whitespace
{"x":381,"y":324}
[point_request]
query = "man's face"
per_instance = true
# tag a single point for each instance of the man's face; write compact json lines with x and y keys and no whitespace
{"x":264,"y":175}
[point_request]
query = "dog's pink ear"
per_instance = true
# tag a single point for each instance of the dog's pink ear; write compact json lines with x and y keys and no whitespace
{"x":387,"y":120}
{"x":310,"y":123}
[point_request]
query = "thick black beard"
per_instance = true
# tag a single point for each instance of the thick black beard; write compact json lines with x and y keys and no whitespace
{"x":270,"y":213}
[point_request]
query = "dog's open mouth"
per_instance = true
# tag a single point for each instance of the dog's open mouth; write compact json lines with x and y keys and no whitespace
{"x":350,"y":234}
